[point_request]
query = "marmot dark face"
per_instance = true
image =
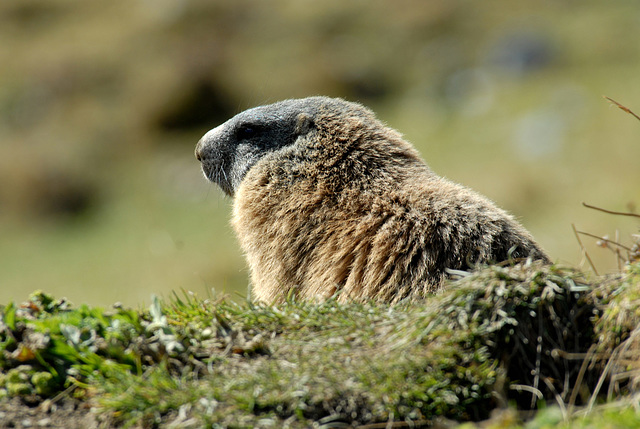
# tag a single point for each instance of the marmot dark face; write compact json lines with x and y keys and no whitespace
{"x":230,"y":150}
{"x":328,"y":200}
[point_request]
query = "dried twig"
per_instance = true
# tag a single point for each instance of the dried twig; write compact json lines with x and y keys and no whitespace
{"x":527,"y":388}
{"x":583,"y":368}
{"x":621,"y":107}
{"x":559,"y":399}
{"x":588,"y":234}
{"x":610,"y":211}
{"x":614,"y":361}
{"x":580,"y":356}
{"x":584,"y":251}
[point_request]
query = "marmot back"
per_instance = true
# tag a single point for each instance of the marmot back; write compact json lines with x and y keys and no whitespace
{"x":328,"y":200}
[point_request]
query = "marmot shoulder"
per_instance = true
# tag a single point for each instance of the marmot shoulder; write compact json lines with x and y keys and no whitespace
{"x":328,"y":200}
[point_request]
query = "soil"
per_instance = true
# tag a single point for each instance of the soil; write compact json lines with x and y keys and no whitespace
{"x":65,"y":414}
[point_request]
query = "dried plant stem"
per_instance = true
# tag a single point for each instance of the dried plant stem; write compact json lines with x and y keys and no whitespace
{"x":559,"y":399}
{"x":614,"y":361}
{"x":610,"y":211}
{"x":583,"y":369}
{"x":621,"y":107}
{"x":527,"y":388}
{"x":584,"y":251}
{"x":604,"y":239}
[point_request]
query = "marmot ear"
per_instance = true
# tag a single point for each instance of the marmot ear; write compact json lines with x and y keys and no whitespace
{"x":304,"y":124}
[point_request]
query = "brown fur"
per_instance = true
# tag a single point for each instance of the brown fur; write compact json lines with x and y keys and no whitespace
{"x":348,"y":207}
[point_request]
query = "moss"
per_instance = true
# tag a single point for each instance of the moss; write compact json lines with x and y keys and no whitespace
{"x":43,"y":383}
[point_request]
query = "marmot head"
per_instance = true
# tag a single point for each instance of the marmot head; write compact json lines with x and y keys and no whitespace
{"x":228,"y":151}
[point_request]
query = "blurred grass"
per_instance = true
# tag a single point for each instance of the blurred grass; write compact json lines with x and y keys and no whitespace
{"x":102,"y":104}
{"x":146,"y":236}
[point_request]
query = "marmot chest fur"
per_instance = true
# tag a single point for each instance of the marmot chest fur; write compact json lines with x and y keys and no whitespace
{"x":328,"y":200}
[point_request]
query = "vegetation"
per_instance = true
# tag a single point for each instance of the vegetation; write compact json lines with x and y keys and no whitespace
{"x":506,"y":336}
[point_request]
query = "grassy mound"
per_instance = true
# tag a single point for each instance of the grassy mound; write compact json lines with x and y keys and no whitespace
{"x":521,"y":335}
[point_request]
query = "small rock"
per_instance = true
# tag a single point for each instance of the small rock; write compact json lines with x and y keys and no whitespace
{"x":44,"y":422}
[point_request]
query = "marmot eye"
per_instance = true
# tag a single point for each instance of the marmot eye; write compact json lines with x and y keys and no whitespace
{"x":247,"y":131}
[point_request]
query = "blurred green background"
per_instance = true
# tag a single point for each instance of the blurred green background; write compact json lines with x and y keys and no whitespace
{"x":102,"y":103}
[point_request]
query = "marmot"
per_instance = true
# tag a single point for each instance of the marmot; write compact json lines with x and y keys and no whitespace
{"x":328,"y":200}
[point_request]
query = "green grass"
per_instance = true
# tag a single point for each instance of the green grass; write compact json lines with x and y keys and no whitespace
{"x":457,"y":355}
